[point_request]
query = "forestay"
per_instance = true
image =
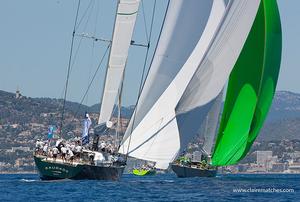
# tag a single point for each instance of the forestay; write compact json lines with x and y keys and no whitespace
{"x":122,"y":35}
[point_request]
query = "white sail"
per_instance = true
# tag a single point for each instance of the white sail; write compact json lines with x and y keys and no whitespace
{"x":159,"y":135}
{"x":183,"y":25}
{"x":123,"y":30}
{"x":155,"y":138}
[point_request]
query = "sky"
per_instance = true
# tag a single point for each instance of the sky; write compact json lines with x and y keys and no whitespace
{"x":35,"y":38}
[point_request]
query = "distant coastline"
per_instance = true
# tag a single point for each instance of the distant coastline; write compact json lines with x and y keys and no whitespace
{"x":260,"y":173}
{"x":239,"y":173}
{"x":20,"y":172}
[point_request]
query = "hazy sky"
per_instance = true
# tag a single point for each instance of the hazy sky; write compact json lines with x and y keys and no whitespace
{"x":35,"y":40}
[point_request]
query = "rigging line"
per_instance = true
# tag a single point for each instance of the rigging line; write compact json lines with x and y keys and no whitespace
{"x":69,"y":67}
{"x":145,"y":23}
{"x":90,"y":70}
{"x":77,"y":49}
{"x":93,"y":46}
{"x":147,"y":53}
{"x":142,"y":82}
{"x":84,"y":35}
{"x":84,"y":13}
{"x":94,"y":33}
{"x":91,"y":82}
{"x":96,"y":17}
{"x":148,"y":47}
{"x":80,"y":41}
{"x":73,"y":63}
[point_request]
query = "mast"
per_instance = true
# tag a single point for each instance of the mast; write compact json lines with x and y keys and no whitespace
{"x":123,"y":29}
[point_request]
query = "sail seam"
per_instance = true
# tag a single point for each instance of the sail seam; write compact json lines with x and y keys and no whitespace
{"x":127,"y":13}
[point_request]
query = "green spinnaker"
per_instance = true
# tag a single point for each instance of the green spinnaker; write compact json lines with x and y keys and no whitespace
{"x":251,"y":87}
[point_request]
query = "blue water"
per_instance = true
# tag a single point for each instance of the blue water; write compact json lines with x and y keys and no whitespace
{"x":28,"y":187}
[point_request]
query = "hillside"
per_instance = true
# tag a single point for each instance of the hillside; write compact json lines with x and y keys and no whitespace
{"x":286,"y":105}
{"x":281,"y":129}
{"x":283,"y":121}
{"x":25,"y":119}
{"x":125,"y":111}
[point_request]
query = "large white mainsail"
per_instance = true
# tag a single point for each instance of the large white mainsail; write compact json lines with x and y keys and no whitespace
{"x":159,"y":124}
{"x":123,"y":30}
{"x":157,"y":137}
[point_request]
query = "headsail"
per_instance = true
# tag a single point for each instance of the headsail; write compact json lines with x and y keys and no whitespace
{"x":251,"y":87}
{"x":123,"y":30}
{"x":156,"y":137}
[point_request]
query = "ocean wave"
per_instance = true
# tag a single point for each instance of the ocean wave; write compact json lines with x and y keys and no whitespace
{"x":28,"y":180}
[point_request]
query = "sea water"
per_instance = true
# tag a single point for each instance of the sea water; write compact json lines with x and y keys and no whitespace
{"x":261,"y":187}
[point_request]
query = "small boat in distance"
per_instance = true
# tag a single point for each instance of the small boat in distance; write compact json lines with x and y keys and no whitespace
{"x":145,"y":169}
{"x":143,"y":172}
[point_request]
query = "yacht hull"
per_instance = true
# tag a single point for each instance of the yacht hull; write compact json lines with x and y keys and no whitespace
{"x":185,"y":171}
{"x":51,"y":170}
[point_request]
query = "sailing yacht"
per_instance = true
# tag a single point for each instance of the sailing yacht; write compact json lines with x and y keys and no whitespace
{"x":204,"y":46}
{"x":93,"y":163}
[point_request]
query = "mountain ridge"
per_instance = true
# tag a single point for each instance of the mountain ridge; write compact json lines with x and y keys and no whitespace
{"x":283,"y":120}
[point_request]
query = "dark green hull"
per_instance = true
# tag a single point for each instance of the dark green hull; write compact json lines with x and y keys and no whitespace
{"x":57,"y":170}
{"x":185,"y":171}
